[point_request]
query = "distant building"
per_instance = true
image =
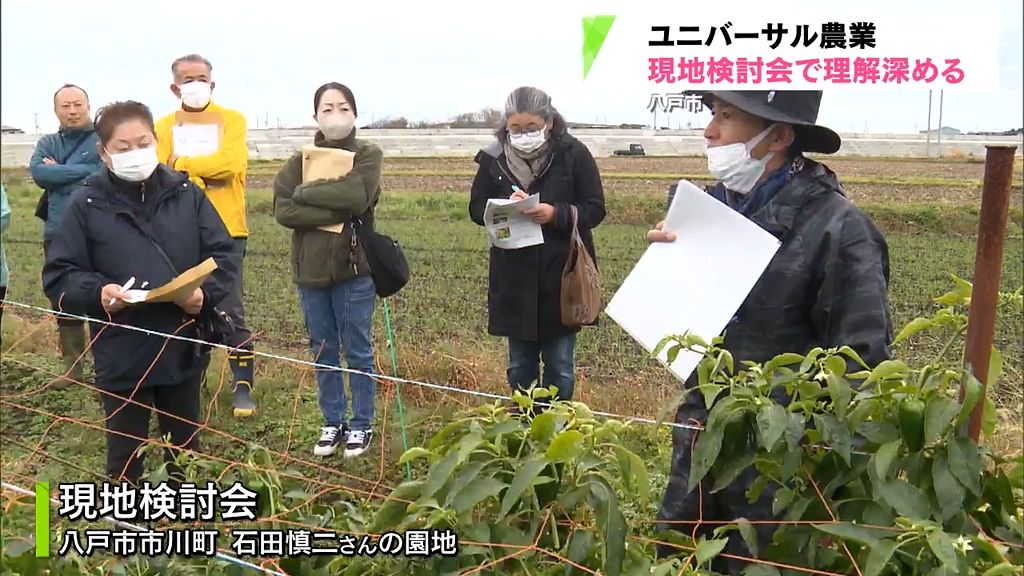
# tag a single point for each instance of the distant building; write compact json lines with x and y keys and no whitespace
{"x":945,"y":131}
{"x":11,"y":130}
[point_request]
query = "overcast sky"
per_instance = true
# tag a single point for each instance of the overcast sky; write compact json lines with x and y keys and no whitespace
{"x":441,"y":59}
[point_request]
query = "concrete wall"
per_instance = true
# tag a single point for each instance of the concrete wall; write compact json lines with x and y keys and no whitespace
{"x":16,"y":149}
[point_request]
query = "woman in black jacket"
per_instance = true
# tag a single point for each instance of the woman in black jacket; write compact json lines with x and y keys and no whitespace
{"x":534,"y":154}
{"x":139,"y":219}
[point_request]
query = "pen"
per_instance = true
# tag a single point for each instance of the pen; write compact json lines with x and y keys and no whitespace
{"x":126,"y":286}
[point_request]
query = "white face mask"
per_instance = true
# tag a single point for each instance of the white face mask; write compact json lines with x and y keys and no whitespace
{"x":195,"y":94}
{"x":528,"y":141}
{"x":733,"y":166}
{"x":336,"y":126}
{"x":134,"y":165}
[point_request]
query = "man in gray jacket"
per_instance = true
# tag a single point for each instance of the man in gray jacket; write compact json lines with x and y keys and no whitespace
{"x":826,"y":286}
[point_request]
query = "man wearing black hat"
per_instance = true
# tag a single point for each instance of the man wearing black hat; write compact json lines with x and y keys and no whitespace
{"x":826,"y":286}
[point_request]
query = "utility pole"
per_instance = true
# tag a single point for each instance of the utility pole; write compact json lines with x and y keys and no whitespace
{"x":35,"y":115}
{"x":938,"y":137}
{"x":928,"y":142}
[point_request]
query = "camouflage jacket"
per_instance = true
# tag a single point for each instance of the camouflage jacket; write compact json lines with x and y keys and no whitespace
{"x":826,"y":286}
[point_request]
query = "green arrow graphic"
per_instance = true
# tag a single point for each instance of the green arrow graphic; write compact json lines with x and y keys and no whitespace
{"x":595,"y":30}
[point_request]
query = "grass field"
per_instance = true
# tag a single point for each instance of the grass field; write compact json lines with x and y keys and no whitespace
{"x":928,"y":210}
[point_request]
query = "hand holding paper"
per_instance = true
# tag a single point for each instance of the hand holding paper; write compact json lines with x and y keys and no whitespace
{"x":697,"y":282}
{"x":508,"y":226}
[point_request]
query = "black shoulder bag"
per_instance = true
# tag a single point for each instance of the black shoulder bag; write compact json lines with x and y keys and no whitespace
{"x":213,"y":325}
{"x":388,"y":267}
{"x":43,"y":206}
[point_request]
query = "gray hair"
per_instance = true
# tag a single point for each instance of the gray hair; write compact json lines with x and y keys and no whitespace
{"x":529,"y":100}
{"x":190,"y":58}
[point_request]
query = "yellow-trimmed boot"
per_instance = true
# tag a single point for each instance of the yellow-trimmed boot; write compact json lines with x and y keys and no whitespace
{"x":244,"y":373}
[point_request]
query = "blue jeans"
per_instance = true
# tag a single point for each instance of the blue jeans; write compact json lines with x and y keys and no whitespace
{"x":557,"y":353}
{"x":340,"y":319}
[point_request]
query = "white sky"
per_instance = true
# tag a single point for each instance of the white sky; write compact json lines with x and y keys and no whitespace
{"x":440,"y":59}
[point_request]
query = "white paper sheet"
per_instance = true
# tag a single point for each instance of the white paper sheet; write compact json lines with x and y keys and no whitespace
{"x":697,"y":282}
{"x":195,"y":139}
{"x":506,"y":225}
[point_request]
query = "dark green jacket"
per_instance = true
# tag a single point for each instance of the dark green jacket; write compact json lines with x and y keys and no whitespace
{"x":321,"y":258}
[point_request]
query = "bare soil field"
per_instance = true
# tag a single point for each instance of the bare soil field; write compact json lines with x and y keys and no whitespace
{"x":867,"y":167}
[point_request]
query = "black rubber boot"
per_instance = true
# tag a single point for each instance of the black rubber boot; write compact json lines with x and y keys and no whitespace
{"x":244,"y":375}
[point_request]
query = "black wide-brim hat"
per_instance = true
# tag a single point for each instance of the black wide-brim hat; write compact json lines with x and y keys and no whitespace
{"x":796,"y":107}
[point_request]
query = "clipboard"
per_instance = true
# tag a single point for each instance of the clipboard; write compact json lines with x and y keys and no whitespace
{"x":326,"y":164}
{"x":180,"y":287}
{"x":196,"y":133}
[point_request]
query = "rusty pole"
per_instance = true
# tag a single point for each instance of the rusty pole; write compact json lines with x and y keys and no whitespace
{"x":988,"y":263}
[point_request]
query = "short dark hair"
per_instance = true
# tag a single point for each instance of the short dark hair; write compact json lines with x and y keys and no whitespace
{"x":70,"y":86}
{"x":319,"y":94}
{"x":113,"y":115}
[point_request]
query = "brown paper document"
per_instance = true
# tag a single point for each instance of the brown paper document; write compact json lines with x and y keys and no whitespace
{"x":325,"y":164}
{"x":179,"y":288}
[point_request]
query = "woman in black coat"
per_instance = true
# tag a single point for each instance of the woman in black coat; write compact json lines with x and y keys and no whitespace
{"x":534,"y":154}
{"x":139,"y":219}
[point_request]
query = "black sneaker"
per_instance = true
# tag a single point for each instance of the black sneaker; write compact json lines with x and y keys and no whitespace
{"x":358,"y":442}
{"x":330,"y":438}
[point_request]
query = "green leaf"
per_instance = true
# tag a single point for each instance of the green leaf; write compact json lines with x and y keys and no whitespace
{"x":440,"y":472}
{"x":613,"y":526}
{"x":468,"y":443}
{"x":542,"y":428}
{"x":852,"y":354}
{"x":710,"y":392}
{"x":634,"y":472}
{"x":566,"y":446}
{"x":990,"y":418}
{"x":523,"y":479}
{"x":705,"y":452}
{"x":477,"y":491}
{"x":731,"y":469}
{"x":948,"y":492}
{"x":783,"y":497}
{"x":835,"y":434}
{"x":414,"y":453}
{"x":884,"y":457}
{"x":1004,"y":569}
{"x":965,"y":463}
{"x":785,"y":359}
{"x":995,"y":368}
{"x":879,"y":557}
{"x":942,"y":547}
{"x":771,"y":424}
{"x":810,"y":359}
{"x":760,"y":570}
{"x":795,"y":428}
{"x":296,"y":494}
{"x":749,"y":534}
{"x":905,"y":498}
{"x":878,"y":432}
{"x":394,"y":507}
{"x":887,"y":369}
{"x":445,"y":433}
{"x":913,"y":327}
{"x":972,"y":393}
{"x":791,"y":464}
{"x":854,"y":533}
{"x":708,"y":549}
{"x":938,"y":415}
{"x":580,"y":544}
{"x":840,"y":391}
